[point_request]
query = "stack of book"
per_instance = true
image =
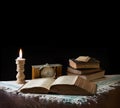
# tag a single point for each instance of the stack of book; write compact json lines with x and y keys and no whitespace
{"x":86,"y":67}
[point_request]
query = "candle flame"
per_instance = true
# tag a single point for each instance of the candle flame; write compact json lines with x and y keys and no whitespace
{"x":20,"y":53}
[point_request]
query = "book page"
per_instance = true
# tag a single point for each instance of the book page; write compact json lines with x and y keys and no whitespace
{"x":41,"y":82}
{"x":70,"y":80}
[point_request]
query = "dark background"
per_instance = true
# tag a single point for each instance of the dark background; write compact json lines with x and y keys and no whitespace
{"x":54,"y":36}
{"x":56,"y":50}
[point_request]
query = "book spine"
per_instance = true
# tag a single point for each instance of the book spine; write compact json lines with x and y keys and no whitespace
{"x":81,"y":66}
{"x":74,"y":71}
{"x":96,"y":75}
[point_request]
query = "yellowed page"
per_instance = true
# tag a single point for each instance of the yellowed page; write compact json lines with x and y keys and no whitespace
{"x":70,"y":80}
{"x":83,"y":58}
{"x":41,"y":82}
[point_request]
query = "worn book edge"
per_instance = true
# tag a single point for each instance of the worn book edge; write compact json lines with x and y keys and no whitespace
{"x":83,"y":71}
{"x":91,"y":76}
{"x":80,"y":65}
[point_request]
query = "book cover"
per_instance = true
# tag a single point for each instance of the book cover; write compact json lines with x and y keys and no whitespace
{"x":83,"y":71}
{"x":91,"y":76}
{"x":92,"y":63}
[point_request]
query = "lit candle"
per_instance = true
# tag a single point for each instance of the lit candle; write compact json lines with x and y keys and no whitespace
{"x":20,"y":68}
{"x":20,"y":53}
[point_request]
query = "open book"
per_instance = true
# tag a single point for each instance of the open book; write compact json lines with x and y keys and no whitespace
{"x":68,"y":85}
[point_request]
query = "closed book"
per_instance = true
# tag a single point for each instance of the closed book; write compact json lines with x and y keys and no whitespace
{"x":92,"y":63}
{"x":91,"y":76}
{"x":83,"y":71}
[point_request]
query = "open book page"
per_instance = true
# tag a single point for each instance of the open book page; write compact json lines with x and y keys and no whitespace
{"x":73,"y":85}
{"x":69,"y":80}
{"x":37,"y":83}
{"x":62,"y":85}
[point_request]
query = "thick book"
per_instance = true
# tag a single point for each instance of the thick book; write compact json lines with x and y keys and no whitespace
{"x":91,"y":76}
{"x":83,"y":71}
{"x":92,"y":63}
{"x":67,"y":85}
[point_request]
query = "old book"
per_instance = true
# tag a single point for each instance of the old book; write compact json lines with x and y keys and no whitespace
{"x":91,"y":76}
{"x":83,"y":71}
{"x":67,"y":85}
{"x":92,"y":63}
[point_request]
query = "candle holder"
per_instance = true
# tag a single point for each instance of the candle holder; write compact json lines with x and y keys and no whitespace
{"x":20,"y":69}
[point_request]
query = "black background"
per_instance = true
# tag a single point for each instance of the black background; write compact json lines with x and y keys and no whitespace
{"x":55,"y":37}
{"x":56,"y":49}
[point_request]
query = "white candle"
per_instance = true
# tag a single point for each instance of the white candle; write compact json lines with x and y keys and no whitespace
{"x":20,"y":68}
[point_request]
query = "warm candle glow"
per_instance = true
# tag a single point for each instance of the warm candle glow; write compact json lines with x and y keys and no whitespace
{"x":20,"y":53}
{"x":20,"y":68}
